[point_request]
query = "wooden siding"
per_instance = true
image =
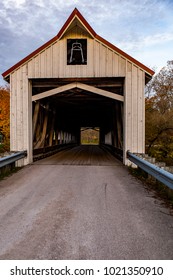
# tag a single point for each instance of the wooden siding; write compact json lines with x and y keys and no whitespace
{"x":102,"y":61}
{"x":134,"y":108}
{"x":21,"y":113}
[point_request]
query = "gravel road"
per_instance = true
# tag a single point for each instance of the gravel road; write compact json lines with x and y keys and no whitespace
{"x":81,"y":204}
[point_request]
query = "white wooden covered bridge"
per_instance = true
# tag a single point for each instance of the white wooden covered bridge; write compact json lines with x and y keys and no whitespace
{"x":77,"y":79}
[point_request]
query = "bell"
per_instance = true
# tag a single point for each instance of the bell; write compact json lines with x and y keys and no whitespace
{"x":76,"y":47}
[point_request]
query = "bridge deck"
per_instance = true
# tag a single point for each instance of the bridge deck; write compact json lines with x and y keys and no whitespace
{"x":53,"y":211}
{"x":82,"y":155}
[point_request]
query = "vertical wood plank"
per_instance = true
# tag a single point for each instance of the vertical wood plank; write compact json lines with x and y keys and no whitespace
{"x":103,"y":57}
{"x":90,"y":58}
{"x":134,"y":109}
{"x":55,"y":60}
{"x":13,"y":111}
{"x":37,"y":66}
{"x":141,"y":112}
{"x":29,"y":121}
{"x":109,"y":64}
{"x":48,"y":62}
{"x":41,"y":143}
{"x":24,"y":93}
{"x":62,"y":58}
{"x":19,"y":115}
{"x":115,"y":62}
{"x":31,"y":68}
{"x":127,"y":120}
{"x":122,"y":66}
{"x":42,"y":64}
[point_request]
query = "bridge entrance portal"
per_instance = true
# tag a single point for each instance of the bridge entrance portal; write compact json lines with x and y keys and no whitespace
{"x":63,"y":111}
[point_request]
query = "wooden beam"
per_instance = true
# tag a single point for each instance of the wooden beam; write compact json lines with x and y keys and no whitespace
{"x":35,"y":117}
{"x":100,"y":92}
{"x":97,"y":82}
{"x":119,"y":125}
{"x":53,"y":91}
{"x":102,"y":84}
{"x":80,"y":86}
{"x":40,"y":144}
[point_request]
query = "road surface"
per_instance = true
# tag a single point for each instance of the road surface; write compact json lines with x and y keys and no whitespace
{"x":81,"y":204}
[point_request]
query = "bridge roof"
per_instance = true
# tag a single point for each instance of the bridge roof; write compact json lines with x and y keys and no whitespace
{"x":76,"y":14}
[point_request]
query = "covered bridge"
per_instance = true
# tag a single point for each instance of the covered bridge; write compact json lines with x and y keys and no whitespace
{"x":76,"y":80}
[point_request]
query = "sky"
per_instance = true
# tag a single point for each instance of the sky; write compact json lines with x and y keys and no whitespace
{"x":141,"y":28}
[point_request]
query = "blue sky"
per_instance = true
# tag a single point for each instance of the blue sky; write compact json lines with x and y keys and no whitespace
{"x":141,"y":28}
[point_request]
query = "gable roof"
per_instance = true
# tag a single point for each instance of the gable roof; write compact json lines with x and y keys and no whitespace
{"x":78,"y":15}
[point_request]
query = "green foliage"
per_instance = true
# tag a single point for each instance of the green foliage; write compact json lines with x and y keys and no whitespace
{"x":8,"y":171}
{"x":159,"y":115}
{"x":5,"y":147}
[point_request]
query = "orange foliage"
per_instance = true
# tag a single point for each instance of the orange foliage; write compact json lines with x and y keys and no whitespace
{"x":5,"y":113}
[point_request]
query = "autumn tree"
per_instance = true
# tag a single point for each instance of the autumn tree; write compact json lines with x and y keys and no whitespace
{"x":5,"y":114}
{"x":159,"y":113}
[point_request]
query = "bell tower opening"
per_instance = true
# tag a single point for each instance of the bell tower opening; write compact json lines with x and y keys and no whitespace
{"x":76,"y":51}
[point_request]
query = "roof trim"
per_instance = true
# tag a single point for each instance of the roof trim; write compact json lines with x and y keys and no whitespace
{"x":6,"y":73}
{"x":70,"y":19}
{"x":74,"y":14}
{"x":130,"y":58}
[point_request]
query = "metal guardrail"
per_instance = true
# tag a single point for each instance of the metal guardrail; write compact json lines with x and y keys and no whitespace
{"x":160,"y":174}
{"x":12,"y":158}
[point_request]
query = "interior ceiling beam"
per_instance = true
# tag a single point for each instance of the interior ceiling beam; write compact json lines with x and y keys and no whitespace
{"x":53,"y":91}
{"x":98,"y":82}
{"x":85,"y":87}
{"x":101,"y":92}
{"x":100,"y":85}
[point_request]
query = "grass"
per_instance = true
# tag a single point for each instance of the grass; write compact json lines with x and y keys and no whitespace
{"x":6,"y":171}
{"x":160,"y":190}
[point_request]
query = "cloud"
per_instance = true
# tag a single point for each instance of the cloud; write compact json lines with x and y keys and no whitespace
{"x":142,"y":42}
{"x":132,"y":25}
